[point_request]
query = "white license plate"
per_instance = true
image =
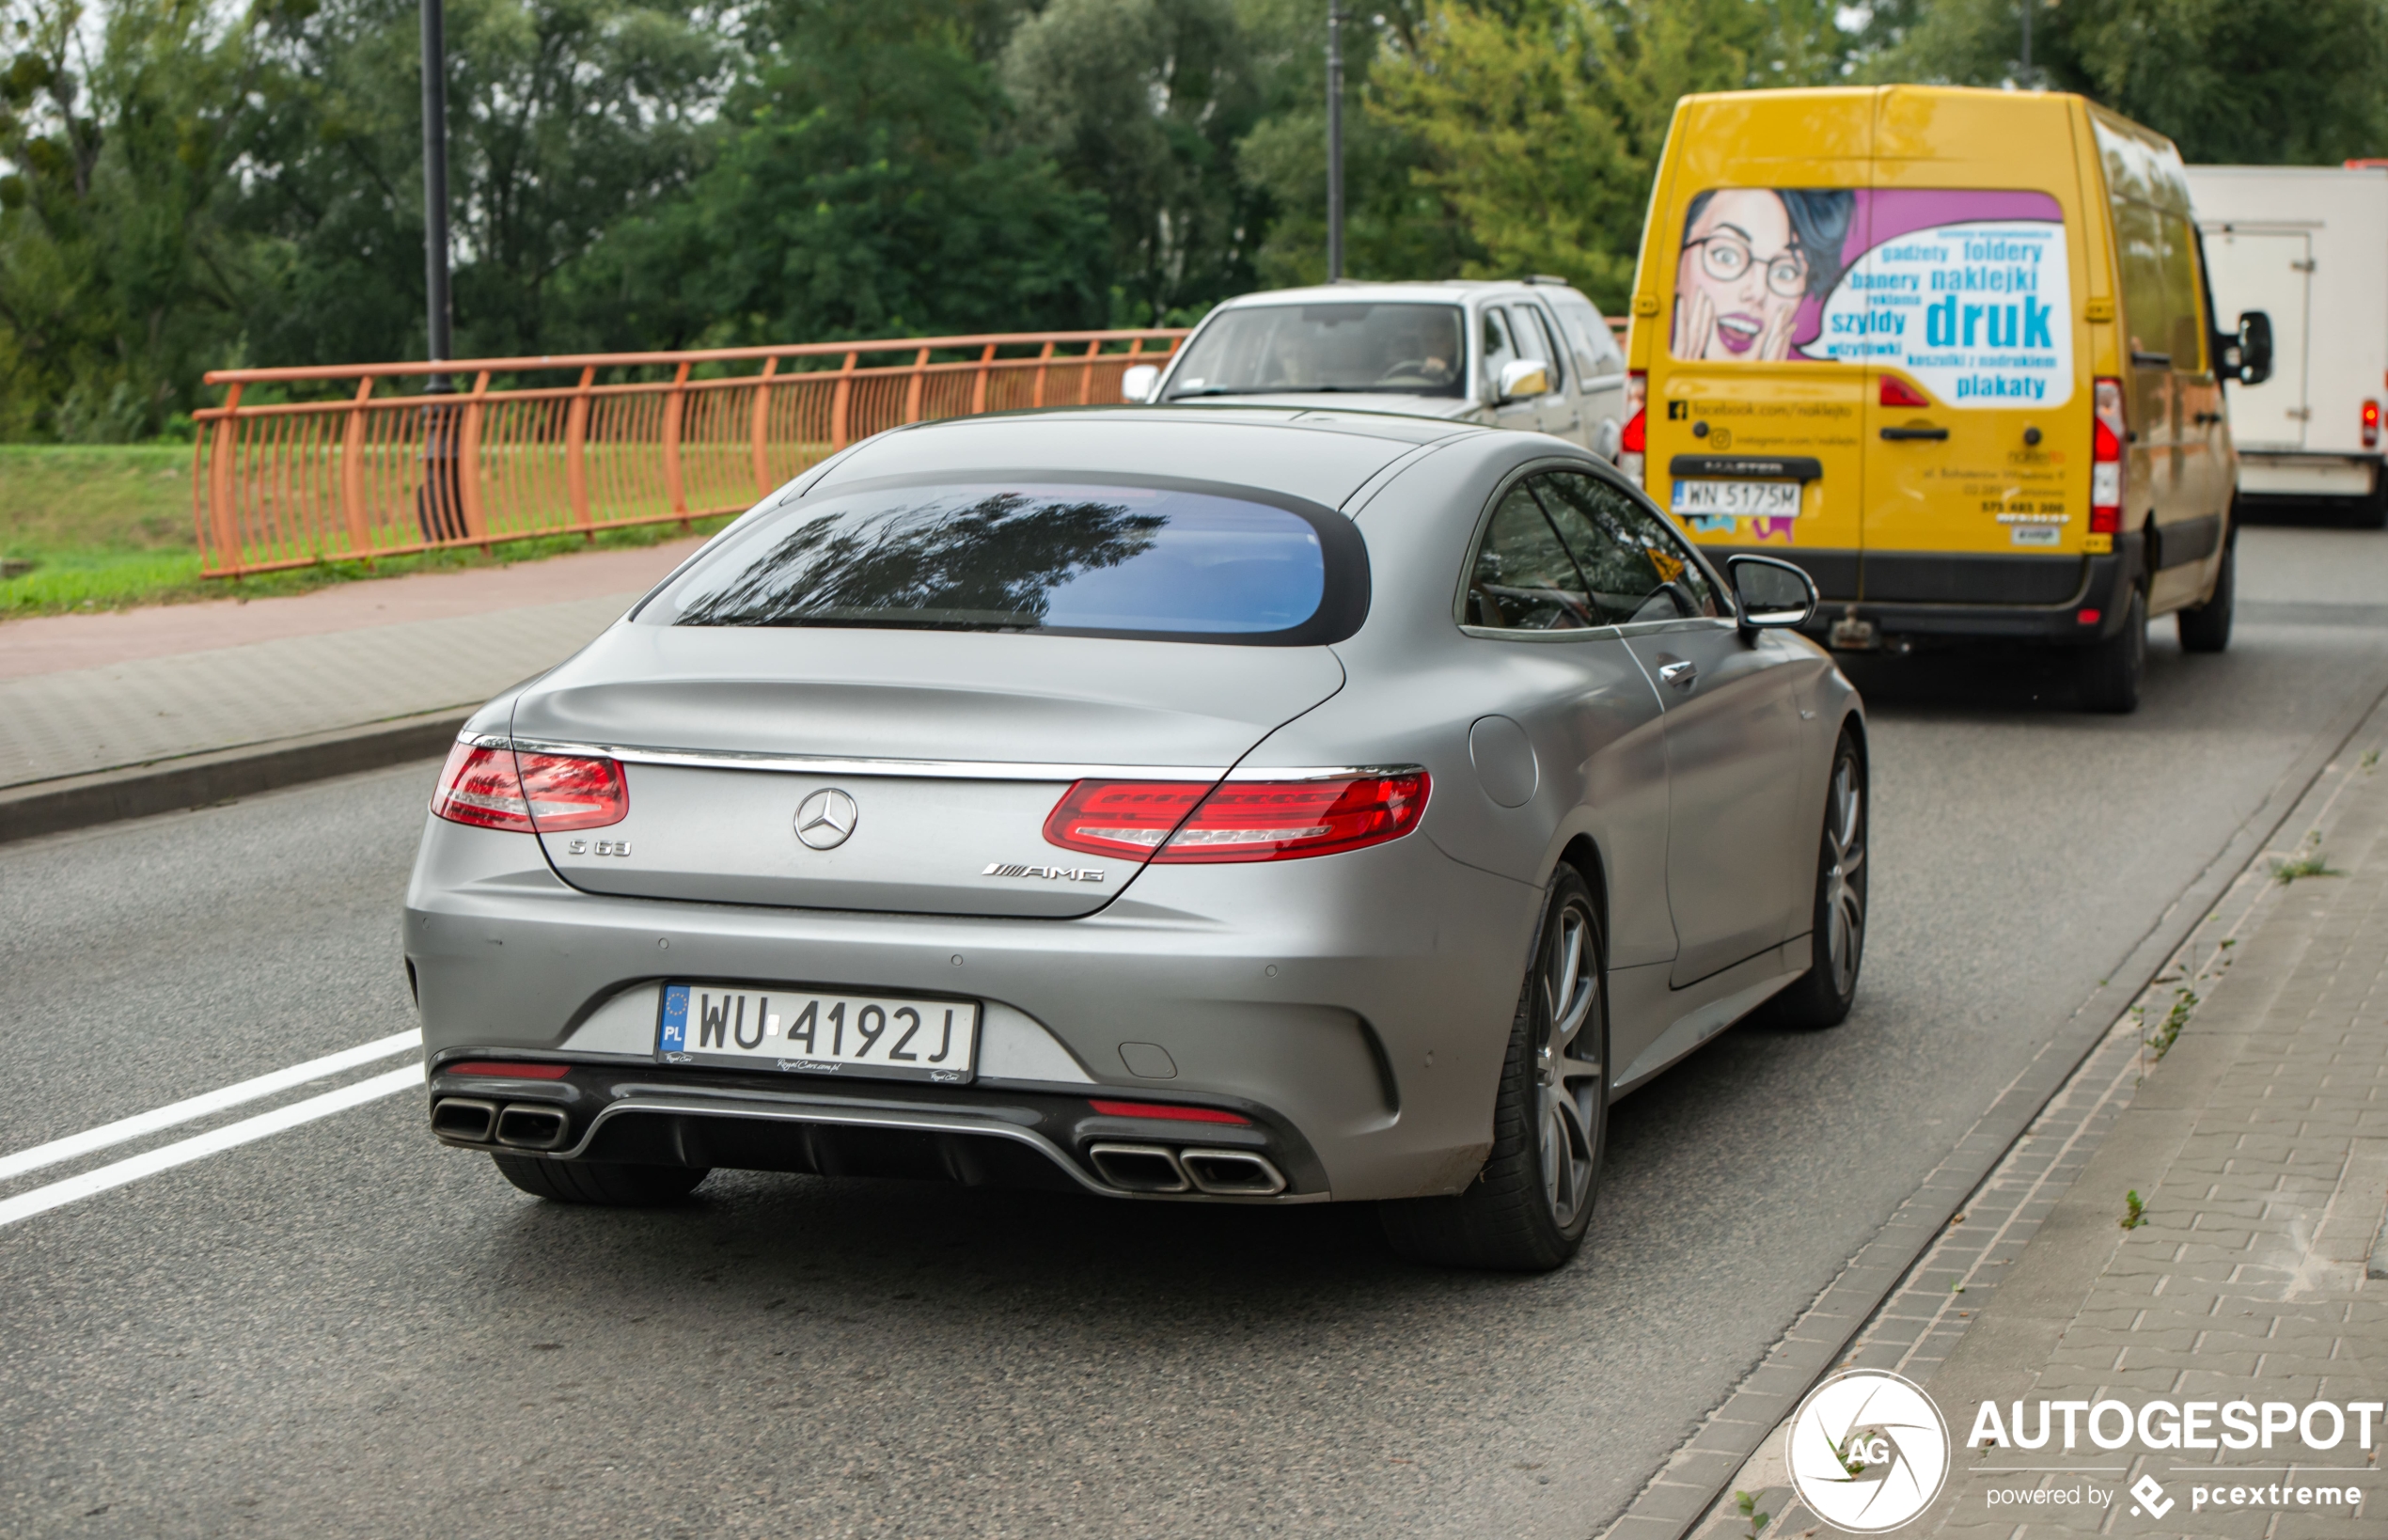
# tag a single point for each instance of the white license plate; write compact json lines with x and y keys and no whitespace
{"x":1739,"y":499}
{"x":807,"y":1032}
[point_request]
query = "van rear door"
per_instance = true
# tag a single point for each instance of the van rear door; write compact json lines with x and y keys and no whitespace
{"x":1755,"y":416}
{"x":1977,"y":429}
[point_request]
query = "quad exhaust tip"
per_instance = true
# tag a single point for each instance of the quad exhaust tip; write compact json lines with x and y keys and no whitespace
{"x":1139,"y":1168}
{"x":1153,"y":1168}
{"x":526,"y":1125}
{"x":1236,"y":1173}
{"x":466,"y":1118}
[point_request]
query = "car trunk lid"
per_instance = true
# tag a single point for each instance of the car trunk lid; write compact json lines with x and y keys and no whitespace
{"x":949,"y":751}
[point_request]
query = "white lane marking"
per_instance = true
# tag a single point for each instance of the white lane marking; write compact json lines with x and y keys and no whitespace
{"x":199,"y":1146}
{"x":199,"y":1106}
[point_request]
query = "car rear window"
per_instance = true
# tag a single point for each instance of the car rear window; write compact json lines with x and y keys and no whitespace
{"x":1071,"y":558}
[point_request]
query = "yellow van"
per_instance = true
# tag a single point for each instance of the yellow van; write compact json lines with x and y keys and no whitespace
{"x":1953,"y":352}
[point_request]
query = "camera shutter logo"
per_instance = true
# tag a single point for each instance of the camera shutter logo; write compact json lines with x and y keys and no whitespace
{"x":1868,"y":1450}
{"x":824,"y":819}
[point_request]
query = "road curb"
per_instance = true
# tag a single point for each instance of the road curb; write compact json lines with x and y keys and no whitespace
{"x":1696,"y":1477}
{"x":198,"y":781}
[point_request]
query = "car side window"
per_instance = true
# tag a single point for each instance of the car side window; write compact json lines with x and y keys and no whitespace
{"x":1596,"y":348}
{"x":1497,"y":348}
{"x":1523,"y":577}
{"x":1637,"y":568}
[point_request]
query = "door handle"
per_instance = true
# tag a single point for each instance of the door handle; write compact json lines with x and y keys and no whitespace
{"x":2207,"y":419}
{"x":1898,"y":435}
{"x":1679,"y":673}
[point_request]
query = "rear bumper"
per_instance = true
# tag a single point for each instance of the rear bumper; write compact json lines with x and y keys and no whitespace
{"x":1356,"y":1007}
{"x":977,"y":1136}
{"x":2290,"y":476}
{"x":2040,"y":600}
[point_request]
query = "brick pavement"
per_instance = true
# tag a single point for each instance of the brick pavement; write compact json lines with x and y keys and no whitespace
{"x":86,"y":693}
{"x":2260,"y":1147}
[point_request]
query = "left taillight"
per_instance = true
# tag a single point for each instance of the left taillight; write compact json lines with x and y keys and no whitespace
{"x":2108,"y":436}
{"x":493,"y":788}
{"x":1633,"y":444}
{"x":1189,"y":822}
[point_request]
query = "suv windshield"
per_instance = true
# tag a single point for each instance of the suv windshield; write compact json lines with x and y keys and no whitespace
{"x":1404,"y":350}
{"x":1092,"y":560}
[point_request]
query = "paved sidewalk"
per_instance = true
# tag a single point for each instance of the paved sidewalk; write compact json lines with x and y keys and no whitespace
{"x":88,"y":693}
{"x":2253,"y":1124}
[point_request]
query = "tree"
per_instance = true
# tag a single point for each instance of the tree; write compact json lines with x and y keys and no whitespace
{"x":866,"y":189}
{"x":118,"y":279}
{"x":1141,"y":103}
{"x":2258,"y":82}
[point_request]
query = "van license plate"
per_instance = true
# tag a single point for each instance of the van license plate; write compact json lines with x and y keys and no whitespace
{"x":1738,"y":499}
{"x":807,"y":1032}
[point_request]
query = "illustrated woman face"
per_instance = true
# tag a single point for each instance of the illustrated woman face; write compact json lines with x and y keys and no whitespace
{"x":1740,"y":280}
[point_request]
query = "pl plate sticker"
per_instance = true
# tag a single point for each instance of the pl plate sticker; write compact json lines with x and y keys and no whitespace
{"x":1966,"y":292}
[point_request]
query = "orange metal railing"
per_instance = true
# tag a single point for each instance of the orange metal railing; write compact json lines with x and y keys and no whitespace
{"x":668,"y":437}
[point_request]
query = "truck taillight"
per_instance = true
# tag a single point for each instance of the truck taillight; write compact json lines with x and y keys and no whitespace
{"x":1187,"y":822}
{"x":495,"y":788}
{"x":2372,"y":425}
{"x":1634,"y":443}
{"x":2106,"y":459}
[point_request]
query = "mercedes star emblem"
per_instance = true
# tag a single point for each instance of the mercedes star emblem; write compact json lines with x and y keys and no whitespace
{"x":824,"y":819}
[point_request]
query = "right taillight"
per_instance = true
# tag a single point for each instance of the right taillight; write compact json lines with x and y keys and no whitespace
{"x":2372,"y":425}
{"x":2106,"y":457}
{"x":1633,"y":444}
{"x":1188,"y":822}
{"x":493,"y":788}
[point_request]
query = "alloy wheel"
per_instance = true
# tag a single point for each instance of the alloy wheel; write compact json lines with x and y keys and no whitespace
{"x":1844,"y":876}
{"x":1571,"y":1080}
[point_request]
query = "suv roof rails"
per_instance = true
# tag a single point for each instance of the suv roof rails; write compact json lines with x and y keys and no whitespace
{"x":1544,"y":278}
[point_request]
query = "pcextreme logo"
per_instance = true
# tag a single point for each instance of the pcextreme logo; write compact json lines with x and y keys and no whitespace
{"x":1868,"y":1450}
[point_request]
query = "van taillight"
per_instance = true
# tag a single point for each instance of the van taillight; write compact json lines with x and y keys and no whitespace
{"x":1633,"y":444}
{"x":2106,"y":459}
{"x":1897,"y":392}
{"x":549,"y":793}
{"x":1182,"y":822}
{"x":2372,"y":425}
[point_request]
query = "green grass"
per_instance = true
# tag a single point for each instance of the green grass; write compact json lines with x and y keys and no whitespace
{"x":109,"y":527}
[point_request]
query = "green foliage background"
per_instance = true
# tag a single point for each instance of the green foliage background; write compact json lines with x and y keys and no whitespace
{"x":186,"y":186}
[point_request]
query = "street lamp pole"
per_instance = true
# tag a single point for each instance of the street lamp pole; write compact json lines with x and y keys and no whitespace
{"x":442,"y":338}
{"x":2026,"y":80}
{"x":439,"y":504}
{"x":1334,"y":141}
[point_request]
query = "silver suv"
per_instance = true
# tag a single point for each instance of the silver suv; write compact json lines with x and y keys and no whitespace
{"x":1531,"y":354}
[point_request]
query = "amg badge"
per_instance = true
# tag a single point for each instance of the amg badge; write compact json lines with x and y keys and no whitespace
{"x":1052,"y":873}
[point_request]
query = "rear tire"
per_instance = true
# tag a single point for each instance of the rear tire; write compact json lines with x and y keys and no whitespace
{"x":1528,"y":1209}
{"x":2111,"y":669}
{"x":2207,"y":628}
{"x":1836,"y":937}
{"x":607,"y":1184}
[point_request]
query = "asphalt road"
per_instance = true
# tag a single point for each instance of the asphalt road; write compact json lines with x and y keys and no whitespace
{"x":344,"y":1329}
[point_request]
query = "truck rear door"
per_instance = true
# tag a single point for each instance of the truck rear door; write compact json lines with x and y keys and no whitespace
{"x":1976,"y":429}
{"x":2269,"y":271}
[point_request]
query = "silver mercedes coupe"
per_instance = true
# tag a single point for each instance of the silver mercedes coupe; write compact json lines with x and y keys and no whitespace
{"x":1194,"y":805}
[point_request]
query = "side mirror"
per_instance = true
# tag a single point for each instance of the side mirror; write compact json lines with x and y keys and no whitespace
{"x":1139,"y":384}
{"x":1770,"y":594}
{"x":1524,"y":377}
{"x":2254,"y":347}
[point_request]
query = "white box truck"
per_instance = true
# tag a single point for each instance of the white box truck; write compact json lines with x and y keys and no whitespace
{"x":2309,"y":246}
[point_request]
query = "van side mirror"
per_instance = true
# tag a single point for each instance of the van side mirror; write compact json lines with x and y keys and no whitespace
{"x":1138,"y":384}
{"x":2254,"y":348}
{"x":1521,"y":378}
{"x":1770,"y":594}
